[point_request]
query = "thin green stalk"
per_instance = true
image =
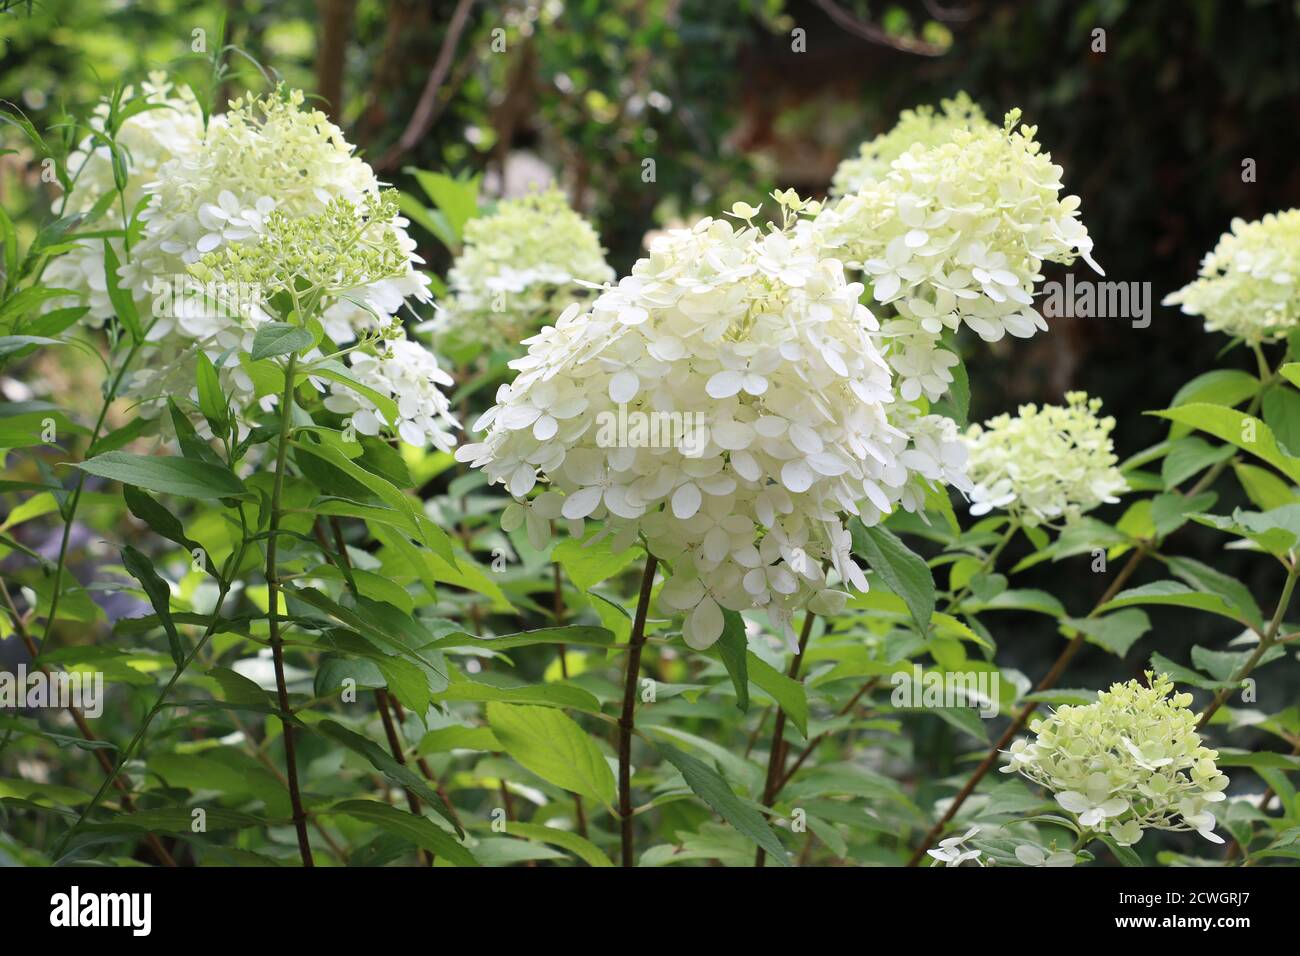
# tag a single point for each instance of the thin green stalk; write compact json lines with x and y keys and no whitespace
{"x":990,"y":561}
{"x":776,"y":756}
{"x":1266,"y":641}
{"x":627,"y":721}
{"x":273,"y":616}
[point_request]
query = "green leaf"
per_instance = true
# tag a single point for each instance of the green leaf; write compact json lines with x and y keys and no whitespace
{"x":1291,"y":372}
{"x":456,"y":199}
{"x":905,"y":572}
{"x":1206,"y":578}
{"x":1189,"y":456}
{"x":1222,"y":665}
{"x":430,"y":219}
{"x":279,"y":338}
{"x":1277,"y":531}
{"x":1115,"y":632}
{"x":382,"y":624}
{"x":1026,"y":599}
{"x":787,"y":692}
{"x":9,"y":344}
{"x":386,"y":764}
{"x":709,"y":786}
{"x":1185,"y":675}
{"x":168,"y":476}
{"x":1235,"y":428}
{"x":336,"y":372}
{"x":582,"y":848}
{"x":212,"y":403}
{"x":1169,"y":512}
{"x":1174,"y":594}
{"x":159,"y":594}
{"x":1126,"y":855}
{"x":413,"y":520}
{"x":1229,"y":757}
{"x":1227,"y":387}
{"x":158,"y":518}
{"x":407,"y":682}
{"x":549,"y":695}
{"x":733,"y":648}
{"x":575,"y":634}
{"x":551,"y":745}
{"x":123,"y":302}
{"x":418,"y":830}
{"x":458,"y":737}
{"x":589,"y":563}
{"x":1281,"y":409}
{"x":1265,"y":489}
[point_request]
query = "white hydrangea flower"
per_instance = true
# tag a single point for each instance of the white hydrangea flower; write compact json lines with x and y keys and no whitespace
{"x":1130,"y":761}
{"x":408,"y":373}
{"x":521,"y":266}
{"x":956,"y":234}
{"x":171,"y":128}
{"x":264,"y":170}
{"x":952,"y":852}
{"x":263,"y":155}
{"x":923,"y":125}
{"x":1046,"y":464}
{"x":752,"y":351}
{"x":1032,"y":855}
{"x":1249,"y":285}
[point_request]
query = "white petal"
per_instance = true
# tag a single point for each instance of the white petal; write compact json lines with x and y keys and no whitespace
{"x":623,"y":387}
{"x":725,"y":384}
{"x":704,"y":625}
{"x":582,"y":503}
{"x":686,"y":501}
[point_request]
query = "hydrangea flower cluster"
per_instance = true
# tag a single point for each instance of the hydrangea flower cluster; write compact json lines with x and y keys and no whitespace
{"x":1249,"y":286}
{"x":313,"y":258}
{"x":1129,"y":762}
{"x":274,"y":198}
{"x":924,"y":125}
{"x":521,"y":266}
{"x":1046,"y":464}
{"x":956,"y":234}
{"x":171,"y":128}
{"x":727,"y":404}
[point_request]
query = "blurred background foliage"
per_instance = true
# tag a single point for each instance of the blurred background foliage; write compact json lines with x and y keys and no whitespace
{"x":729,"y":98}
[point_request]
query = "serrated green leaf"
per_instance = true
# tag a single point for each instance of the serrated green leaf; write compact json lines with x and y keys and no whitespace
{"x":279,"y":338}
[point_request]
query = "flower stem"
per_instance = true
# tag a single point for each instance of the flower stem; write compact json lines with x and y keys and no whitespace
{"x":776,"y":776}
{"x":627,"y":721}
{"x":990,"y":562}
{"x":1266,"y":641}
{"x":273,"y":617}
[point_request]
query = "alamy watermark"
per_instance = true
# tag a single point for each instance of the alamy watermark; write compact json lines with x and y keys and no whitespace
{"x":946,"y":689}
{"x":38,"y":689}
{"x":1089,"y":299}
{"x":630,"y":428}
{"x":133,"y":911}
